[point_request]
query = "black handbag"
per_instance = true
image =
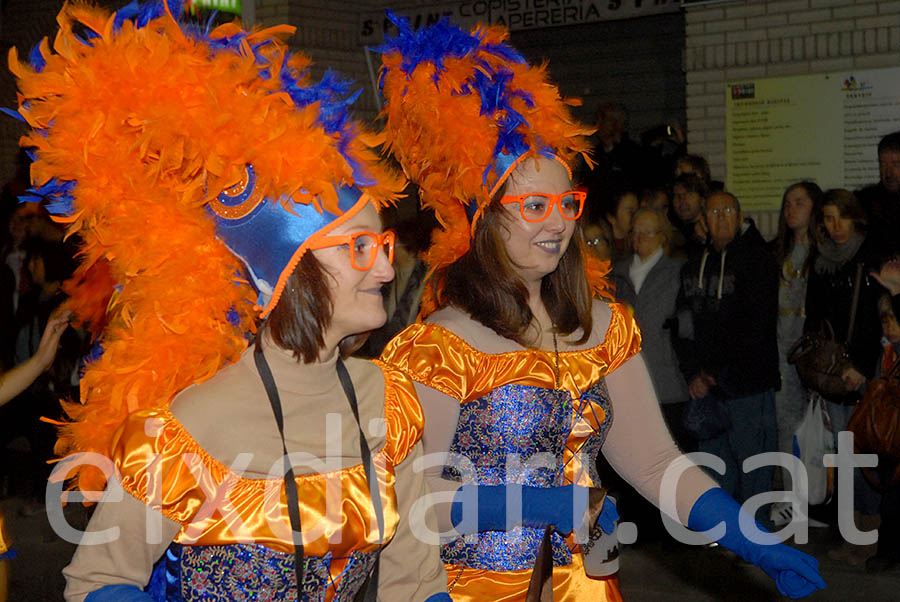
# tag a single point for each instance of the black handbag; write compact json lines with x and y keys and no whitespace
{"x":820,"y":359}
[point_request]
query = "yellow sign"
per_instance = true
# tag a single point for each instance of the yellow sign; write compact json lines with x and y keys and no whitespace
{"x":822,"y":127}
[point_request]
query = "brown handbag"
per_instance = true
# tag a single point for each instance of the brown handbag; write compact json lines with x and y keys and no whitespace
{"x":875,"y":424}
{"x":820,"y":359}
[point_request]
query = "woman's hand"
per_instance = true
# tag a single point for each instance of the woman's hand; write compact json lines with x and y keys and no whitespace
{"x":700,"y":385}
{"x":889,"y":276}
{"x":852,"y":378}
{"x":46,"y":351}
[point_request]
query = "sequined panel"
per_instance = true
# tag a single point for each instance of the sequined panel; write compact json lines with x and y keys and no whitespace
{"x":589,"y":449}
{"x":502,"y":433}
{"x":515,"y":434}
{"x":511,"y":550}
{"x":254,"y":573}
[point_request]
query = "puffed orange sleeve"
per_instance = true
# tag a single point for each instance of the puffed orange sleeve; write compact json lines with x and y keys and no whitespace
{"x":403,"y":415}
{"x":623,"y":337}
{"x":160,"y":464}
{"x":430,"y":355}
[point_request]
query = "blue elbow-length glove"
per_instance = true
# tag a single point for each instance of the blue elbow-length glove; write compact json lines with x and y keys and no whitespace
{"x":796,"y":573}
{"x":562,"y":507}
{"x":119,"y":593}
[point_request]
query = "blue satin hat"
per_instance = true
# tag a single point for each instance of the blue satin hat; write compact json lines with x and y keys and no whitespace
{"x":271,"y":235}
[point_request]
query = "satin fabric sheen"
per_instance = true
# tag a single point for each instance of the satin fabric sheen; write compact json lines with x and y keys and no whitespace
{"x":442,"y":360}
{"x":160,"y":464}
{"x":570,"y":583}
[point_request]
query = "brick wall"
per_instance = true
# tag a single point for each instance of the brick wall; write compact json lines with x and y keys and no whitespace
{"x":770,"y":38}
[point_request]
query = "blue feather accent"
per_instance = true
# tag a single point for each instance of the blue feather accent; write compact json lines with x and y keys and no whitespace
{"x":126,"y":13}
{"x":57,"y":194}
{"x":37,"y":59}
{"x":11,"y":113}
{"x":95,"y":353}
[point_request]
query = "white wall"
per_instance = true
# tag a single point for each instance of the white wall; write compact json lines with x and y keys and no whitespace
{"x":768,"y":38}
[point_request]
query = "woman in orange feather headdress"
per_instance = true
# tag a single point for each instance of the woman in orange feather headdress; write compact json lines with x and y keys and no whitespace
{"x":212,"y":185}
{"x":522,"y":361}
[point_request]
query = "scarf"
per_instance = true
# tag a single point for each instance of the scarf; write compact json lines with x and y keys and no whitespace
{"x":833,"y":256}
{"x":639,"y":268}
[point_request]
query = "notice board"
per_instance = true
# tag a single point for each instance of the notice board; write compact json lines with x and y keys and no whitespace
{"x":821,"y":127}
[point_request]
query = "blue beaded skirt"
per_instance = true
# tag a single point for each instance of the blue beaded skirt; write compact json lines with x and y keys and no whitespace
{"x":253,"y":573}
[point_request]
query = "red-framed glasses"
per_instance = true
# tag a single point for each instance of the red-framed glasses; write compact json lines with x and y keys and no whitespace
{"x":363,"y":246}
{"x":536,"y":206}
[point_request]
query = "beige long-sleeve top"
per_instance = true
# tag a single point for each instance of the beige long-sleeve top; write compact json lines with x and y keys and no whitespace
{"x":637,"y":445}
{"x":229,"y":423}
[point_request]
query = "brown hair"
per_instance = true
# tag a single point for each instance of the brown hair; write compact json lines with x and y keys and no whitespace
{"x":783,"y":243}
{"x":848,"y":207}
{"x":299,"y":319}
{"x":483,"y":283}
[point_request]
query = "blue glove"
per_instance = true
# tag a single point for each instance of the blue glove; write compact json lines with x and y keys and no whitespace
{"x":441,"y":597}
{"x":541,"y":507}
{"x":796,"y":573}
{"x":118,"y":593}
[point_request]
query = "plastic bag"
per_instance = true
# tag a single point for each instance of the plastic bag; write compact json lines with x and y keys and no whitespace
{"x":812,"y":440}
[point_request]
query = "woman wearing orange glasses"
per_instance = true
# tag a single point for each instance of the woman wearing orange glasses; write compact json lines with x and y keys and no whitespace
{"x":203,"y":172}
{"x":524,"y":367}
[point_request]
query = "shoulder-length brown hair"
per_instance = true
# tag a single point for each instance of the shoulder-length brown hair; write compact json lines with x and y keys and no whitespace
{"x":483,"y":283}
{"x":303,"y":313}
{"x":783,"y":243}
{"x":848,"y":207}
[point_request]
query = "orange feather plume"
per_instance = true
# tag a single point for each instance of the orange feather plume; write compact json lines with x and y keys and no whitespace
{"x":448,"y":134}
{"x":148,"y":123}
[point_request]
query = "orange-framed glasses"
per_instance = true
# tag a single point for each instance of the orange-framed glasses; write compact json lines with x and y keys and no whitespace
{"x":536,"y":206}
{"x":363,"y":246}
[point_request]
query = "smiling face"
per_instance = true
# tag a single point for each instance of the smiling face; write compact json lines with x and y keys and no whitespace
{"x":355,"y":294}
{"x":797,"y":209}
{"x":535,"y":248}
{"x":839,"y":228}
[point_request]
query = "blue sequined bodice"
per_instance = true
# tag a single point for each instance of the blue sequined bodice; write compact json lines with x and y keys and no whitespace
{"x":253,"y":573}
{"x":515,"y":434}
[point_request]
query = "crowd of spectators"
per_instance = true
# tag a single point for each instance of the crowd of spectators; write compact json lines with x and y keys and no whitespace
{"x":34,"y":262}
{"x":720,"y":308}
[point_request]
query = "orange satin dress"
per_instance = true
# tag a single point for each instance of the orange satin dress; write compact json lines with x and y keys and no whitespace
{"x":440,"y":359}
{"x":161,"y":464}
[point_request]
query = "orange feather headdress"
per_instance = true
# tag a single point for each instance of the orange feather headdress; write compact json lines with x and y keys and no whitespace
{"x":159,"y":143}
{"x":463,"y":109}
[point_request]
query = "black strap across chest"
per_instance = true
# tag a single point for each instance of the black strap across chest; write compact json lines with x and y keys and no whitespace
{"x":369,"y":590}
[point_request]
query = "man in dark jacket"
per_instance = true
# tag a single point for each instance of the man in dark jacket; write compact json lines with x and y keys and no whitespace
{"x":882,"y":201}
{"x":730,"y":288}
